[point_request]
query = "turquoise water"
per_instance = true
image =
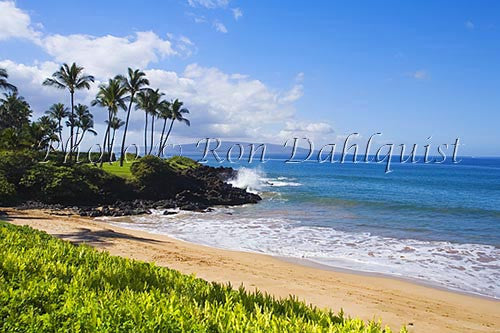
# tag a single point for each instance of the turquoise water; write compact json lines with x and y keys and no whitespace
{"x":451,"y":202}
{"x":437,"y":223}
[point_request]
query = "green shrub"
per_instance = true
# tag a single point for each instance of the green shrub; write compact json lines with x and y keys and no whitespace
{"x":51,"y":285}
{"x":154,"y":177}
{"x":13,"y":164}
{"x":8,"y":193}
{"x":73,"y":185}
{"x":57,"y":184}
{"x":180,"y":163}
{"x":111,"y":187}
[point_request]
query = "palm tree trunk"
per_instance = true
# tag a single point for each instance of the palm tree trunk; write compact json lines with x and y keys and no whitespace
{"x":61,"y":138}
{"x":160,"y":150}
{"x":122,"y":150}
{"x":71,"y":125}
{"x":113,"y":139}
{"x":152,"y":133}
{"x":76,"y":135}
{"x":81,"y":138}
{"x":76,"y":140}
{"x":104,"y":146}
{"x":168,"y":133}
{"x":109,"y":136}
{"x":146,"y":135}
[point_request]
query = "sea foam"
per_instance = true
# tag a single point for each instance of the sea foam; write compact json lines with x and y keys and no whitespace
{"x":472,"y":268}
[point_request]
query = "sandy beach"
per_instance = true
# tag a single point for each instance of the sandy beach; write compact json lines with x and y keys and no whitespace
{"x":395,"y":302}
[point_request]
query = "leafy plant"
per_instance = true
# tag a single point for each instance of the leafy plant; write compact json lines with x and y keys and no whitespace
{"x":154,"y":177}
{"x":8,"y":193}
{"x":51,"y":285}
{"x":180,"y":163}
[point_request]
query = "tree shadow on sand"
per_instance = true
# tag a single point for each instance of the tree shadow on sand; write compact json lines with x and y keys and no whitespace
{"x":100,"y":237}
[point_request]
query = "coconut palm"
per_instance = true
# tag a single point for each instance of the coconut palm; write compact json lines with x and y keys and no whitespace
{"x":134,"y":82}
{"x":44,"y":132}
{"x":81,"y":112}
{"x":71,"y":78}
{"x":165,"y":114}
{"x":111,"y":96}
{"x":154,"y":112}
{"x":178,"y":113}
{"x":58,"y":112}
{"x":84,"y":123}
{"x":3,"y":81}
{"x":115,"y":124}
{"x":149,"y":101}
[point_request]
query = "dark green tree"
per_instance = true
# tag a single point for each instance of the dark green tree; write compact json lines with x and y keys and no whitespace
{"x":4,"y":84}
{"x":15,"y":112}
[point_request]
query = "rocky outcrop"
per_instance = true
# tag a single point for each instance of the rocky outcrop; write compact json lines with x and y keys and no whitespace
{"x":203,"y":188}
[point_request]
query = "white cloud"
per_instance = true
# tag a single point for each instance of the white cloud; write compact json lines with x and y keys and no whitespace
{"x":15,"y":23}
{"x":220,"y":27}
{"x":237,"y":13}
{"x":229,"y":105}
{"x":197,"y":18}
{"x":421,"y":74}
{"x":108,"y":55}
{"x":469,"y":25}
{"x":223,"y":104}
{"x":297,"y":127}
{"x":296,"y":92}
{"x":208,"y":3}
{"x":101,"y":55}
{"x":318,"y":132}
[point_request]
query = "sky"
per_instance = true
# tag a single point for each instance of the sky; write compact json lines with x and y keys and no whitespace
{"x":424,"y":72}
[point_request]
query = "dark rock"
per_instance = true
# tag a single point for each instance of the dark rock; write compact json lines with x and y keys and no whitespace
{"x":195,"y":190}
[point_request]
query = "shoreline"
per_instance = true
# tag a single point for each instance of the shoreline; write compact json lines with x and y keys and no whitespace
{"x":423,"y":283}
{"x":318,"y":265}
{"x":395,"y":301}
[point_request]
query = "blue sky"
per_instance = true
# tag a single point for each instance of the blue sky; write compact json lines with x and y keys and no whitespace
{"x":408,"y":69}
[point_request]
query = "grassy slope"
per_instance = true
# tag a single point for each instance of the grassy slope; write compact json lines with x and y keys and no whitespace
{"x":178,"y":163}
{"x":115,"y":169}
{"x":50,"y":285}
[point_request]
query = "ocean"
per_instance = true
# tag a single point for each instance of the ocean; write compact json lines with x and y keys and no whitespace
{"x":437,"y":224}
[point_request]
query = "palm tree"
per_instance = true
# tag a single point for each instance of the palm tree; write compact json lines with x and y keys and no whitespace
{"x":71,"y":78}
{"x":43,"y":132}
{"x":155,"y":96}
{"x":178,"y":113}
{"x":81,"y":111}
{"x":115,"y":124}
{"x":165,"y":114}
{"x":58,"y":112}
{"x":112,"y":97}
{"x":149,"y":101}
{"x":3,"y":81}
{"x":135,"y":82}
{"x":84,"y":123}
